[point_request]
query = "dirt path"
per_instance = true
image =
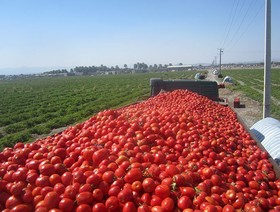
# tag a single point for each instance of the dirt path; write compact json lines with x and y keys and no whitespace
{"x":250,"y":111}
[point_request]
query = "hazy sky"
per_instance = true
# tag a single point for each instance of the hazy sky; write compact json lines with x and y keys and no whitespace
{"x":41,"y":35}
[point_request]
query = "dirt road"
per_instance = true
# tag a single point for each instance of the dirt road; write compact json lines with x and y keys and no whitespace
{"x":250,"y":111}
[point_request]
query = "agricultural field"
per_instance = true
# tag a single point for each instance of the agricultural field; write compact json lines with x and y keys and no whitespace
{"x":250,"y":82}
{"x":33,"y":107}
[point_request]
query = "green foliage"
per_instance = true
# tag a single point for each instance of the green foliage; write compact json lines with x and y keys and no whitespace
{"x":251,"y":82}
{"x":38,"y":105}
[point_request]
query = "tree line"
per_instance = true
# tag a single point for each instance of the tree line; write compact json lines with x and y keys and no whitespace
{"x":89,"y":70}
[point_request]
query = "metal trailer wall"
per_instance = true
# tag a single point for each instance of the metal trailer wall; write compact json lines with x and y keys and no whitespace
{"x":267,"y":131}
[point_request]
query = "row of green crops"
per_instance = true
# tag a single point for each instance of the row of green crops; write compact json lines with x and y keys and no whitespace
{"x":31,"y":107}
{"x":251,"y":81}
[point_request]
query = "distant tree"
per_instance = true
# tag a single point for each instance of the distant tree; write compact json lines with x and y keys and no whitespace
{"x":125,"y":66}
{"x":145,"y":66}
{"x":135,"y":66}
{"x":170,"y":64}
{"x":140,"y":65}
{"x":180,"y":64}
{"x":155,"y":66}
{"x":117,"y":67}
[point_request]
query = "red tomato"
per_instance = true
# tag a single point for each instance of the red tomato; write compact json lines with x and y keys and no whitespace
{"x":112,"y":203}
{"x":51,"y":200}
{"x":83,"y":208}
{"x":125,"y":195}
{"x":100,"y":155}
{"x":18,"y":188}
{"x":42,"y":181}
{"x":108,"y":176}
{"x":228,"y":208}
{"x":135,"y":174}
{"x":66,"y":204}
{"x":129,"y":207}
{"x":230,"y":194}
{"x":167,"y":204}
{"x":22,"y":208}
{"x":99,"y":207}
{"x":148,"y":185}
{"x":84,"y":198}
{"x":93,"y":179}
{"x":184,"y":202}
{"x":143,"y":208}
{"x":172,"y":170}
{"x":66,"y":178}
{"x":54,"y":179}
{"x":162,"y":191}
{"x":137,"y":186}
{"x":97,"y":194}
{"x":12,"y":201}
{"x":46,"y":169}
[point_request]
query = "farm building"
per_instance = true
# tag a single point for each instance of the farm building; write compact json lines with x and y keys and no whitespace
{"x":180,"y":68}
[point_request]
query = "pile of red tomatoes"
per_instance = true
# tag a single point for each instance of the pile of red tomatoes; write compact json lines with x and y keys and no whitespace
{"x":178,"y":151}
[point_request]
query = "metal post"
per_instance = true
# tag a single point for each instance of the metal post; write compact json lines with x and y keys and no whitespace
{"x":220,"y":53}
{"x":267,"y":61}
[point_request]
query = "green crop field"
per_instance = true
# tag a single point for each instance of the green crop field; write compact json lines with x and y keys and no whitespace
{"x":35,"y":106}
{"x":250,"y":81}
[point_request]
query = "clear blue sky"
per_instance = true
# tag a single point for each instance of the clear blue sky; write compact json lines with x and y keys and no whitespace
{"x":41,"y":35}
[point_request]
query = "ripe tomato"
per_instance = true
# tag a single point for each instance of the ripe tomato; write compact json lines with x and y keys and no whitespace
{"x":172,"y":170}
{"x":66,"y":204}
{"x":230,"y":194}
{"x":125,"y":195}
{"x":167,"y":204}
{"x":136,"y":186}
{"x":162,"y":191}
{"x":83,"y":208}
{"x":46,"y":169}
{"x":84,"y":198}
{"x":51,"y":200}
{"x":228,"y":208}
{"x":66,"y":178}
{"x":134,"y":174}
{"x":12,"y":201}
{"x":129,"y":207}
{"x":148,"y":185}
{"x":99,"y":207}
{"x":100,"y":155}
{"x":112,"y":203}
{"x":97,"y":195}
{"x":22,"y":208}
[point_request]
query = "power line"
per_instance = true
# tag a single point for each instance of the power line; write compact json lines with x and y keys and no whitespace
{"x":233,"y":17}
{"x":242,"y":21}
{"x":247,"y":27}
{"x":229,"y":19}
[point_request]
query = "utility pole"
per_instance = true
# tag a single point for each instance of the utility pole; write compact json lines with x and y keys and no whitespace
{"x":220,"y":53}
{"x":267,"y":61}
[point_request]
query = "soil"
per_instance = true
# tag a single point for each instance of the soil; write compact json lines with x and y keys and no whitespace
{"x":249,"y":112}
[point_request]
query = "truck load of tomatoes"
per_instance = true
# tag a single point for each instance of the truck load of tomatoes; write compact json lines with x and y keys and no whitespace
{"x":177,"y":151}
